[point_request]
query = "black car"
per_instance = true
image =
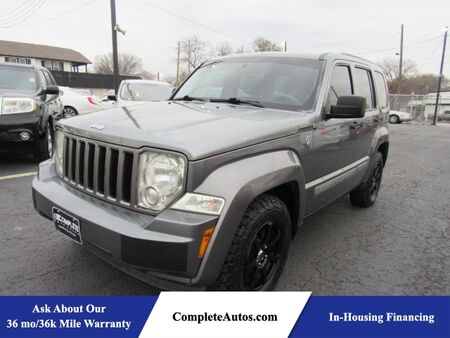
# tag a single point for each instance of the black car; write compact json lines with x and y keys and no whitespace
{"x":29,"y":106}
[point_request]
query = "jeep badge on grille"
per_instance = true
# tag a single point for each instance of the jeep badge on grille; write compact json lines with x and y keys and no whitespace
{"x":97,"y":126}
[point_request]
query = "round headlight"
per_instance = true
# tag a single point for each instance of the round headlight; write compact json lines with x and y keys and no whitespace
{"x":163,"y":173}
{"x":160,"y":179}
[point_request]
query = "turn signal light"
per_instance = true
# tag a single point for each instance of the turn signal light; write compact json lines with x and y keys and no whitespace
{"x":205,"y":241}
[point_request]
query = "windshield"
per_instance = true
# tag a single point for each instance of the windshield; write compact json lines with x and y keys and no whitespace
{"x":17,"y":78}
{"x":273,"y":82}
{"x":145,"y":92}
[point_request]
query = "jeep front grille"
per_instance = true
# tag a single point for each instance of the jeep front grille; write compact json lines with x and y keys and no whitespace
{"x":100,"y":169}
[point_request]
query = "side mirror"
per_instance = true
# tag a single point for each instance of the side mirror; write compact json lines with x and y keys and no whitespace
{"x":348,"y":107}
{"x":112,"y":97}
{"x":51,"y":90}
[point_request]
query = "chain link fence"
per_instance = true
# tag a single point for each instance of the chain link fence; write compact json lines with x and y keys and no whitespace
{"x":413,"y":104}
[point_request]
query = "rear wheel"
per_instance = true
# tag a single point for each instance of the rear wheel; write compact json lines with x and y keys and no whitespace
{"x":69,"y":111}
{"x":366,"y":194}
{"x":44,"y":149}
{"x":394,"y":119}
{"x":259,"y":249}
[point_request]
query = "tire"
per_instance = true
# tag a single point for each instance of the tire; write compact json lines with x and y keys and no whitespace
{"x":69,"y":111}
{"x":366,"y":194}
{"x":394,"y":119}
{"x":44,"y":149}
{"x":259,"y":249}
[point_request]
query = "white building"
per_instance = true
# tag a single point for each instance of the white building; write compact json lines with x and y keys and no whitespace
{"x":53,"y":58}
{"x":443,"y":108}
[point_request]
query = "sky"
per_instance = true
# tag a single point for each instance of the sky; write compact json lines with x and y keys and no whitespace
{"x":370,"y":29}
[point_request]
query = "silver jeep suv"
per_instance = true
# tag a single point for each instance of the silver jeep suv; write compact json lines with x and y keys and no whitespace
{"x":206,"y":190}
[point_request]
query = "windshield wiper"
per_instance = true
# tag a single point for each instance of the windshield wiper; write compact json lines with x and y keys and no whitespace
{"x":235,"y":100}
{"x":190,"y":98}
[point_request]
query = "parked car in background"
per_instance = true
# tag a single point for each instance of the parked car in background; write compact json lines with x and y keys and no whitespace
{"x":29,"y":107}
{"x":105,"y":101}
{"x":76,"y":102}
{"x":138,"y":91}
{"x":396,"y":116}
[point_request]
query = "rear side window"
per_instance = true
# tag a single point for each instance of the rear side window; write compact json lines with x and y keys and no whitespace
{"x":380,"y":86}
{"x":340,"y":85}
{"x":364,"y":86}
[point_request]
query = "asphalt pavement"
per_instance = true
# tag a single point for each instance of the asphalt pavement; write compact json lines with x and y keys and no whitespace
{"x":400,"y":246}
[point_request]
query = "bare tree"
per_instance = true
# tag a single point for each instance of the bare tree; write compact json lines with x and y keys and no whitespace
{"x":391,"y":71}
{"x":129,"y":64}
{"x":146,"y":75}
{"x":262,"y":44}
{"x":223,"y":49}
{"x":239,"y":50}
{"x":173,"y":79}
{"x":193,"y":51}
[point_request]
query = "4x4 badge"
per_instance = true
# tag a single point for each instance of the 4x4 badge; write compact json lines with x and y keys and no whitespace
{"x":97,"y":126}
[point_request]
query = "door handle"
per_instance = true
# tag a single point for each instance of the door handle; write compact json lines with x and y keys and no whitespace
{"x":356,"y":125}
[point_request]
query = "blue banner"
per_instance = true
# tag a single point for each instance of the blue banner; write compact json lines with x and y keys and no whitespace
{"x":376,"y":316}
{"x":74,"y":316}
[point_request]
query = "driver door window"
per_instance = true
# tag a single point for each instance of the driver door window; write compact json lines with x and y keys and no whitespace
{"x":340,"y":85}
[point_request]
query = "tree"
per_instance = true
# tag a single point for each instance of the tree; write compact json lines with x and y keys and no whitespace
{"x":129,"y":64}
{"x":239,"y":50}
{"x":391,"y":71}
{"x":173,"y":79}
{"x":423,"y":84}
{"x":193,"y":51}
{"x":223,"y":49}
{"x":146,"y":75}
{"x":262,"y":44}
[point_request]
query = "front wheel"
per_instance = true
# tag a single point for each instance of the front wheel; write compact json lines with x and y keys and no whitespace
{"x":44,"y":149}
{"x":366,"y":194}
{"x":259,"y":249}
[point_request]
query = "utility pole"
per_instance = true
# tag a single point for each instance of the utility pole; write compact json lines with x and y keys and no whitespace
{"x":189,"y":57}
{"x":441,"y":75}
{"x":178,"y":62}
{"x":114,"y":45}
{"x":401,"y":61}
{"x":285,"y":46}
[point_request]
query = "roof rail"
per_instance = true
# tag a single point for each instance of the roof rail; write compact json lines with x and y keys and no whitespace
{"x":357,"y":57}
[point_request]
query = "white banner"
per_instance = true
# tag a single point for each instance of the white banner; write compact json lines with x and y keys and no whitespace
{"x":225,"y":314}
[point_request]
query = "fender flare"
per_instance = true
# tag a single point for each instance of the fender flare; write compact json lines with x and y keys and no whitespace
{"x":239,"y":183}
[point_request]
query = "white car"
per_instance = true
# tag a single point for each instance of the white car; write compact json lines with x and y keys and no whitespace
{"x":138,"y":91}
{"x":396,"y":116}
{"x":76,"y":102}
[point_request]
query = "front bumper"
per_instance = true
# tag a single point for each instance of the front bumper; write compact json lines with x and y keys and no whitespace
{"x":405,"y":118}
{"x":12,"y":125}
{"x":161,"y":250}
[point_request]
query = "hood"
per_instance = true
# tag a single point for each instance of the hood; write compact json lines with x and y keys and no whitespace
{"x":6,"y":92}
{"x":196,"y":129}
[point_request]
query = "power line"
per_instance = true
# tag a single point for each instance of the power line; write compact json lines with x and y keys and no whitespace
{"x":56,"y":17}
{"x":431,"y":54}
{"x":396,"y":48}
{"x":23,"y":15}
{"x":195,"y":22}
{"x":14,"y":11}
